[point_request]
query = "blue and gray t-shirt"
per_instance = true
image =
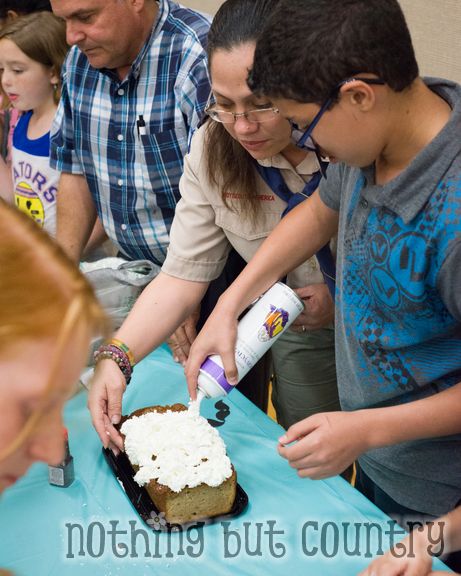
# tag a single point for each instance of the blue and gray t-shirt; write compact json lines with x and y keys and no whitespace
{"x":398,"y":320}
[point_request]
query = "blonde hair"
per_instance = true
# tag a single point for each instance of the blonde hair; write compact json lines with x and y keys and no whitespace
{"x":42,"y":37}
{"x":42,"y":294}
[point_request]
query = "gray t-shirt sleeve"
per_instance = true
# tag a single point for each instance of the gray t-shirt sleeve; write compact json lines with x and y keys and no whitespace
{"x":330,"y":187}
{"x":449,"y":280}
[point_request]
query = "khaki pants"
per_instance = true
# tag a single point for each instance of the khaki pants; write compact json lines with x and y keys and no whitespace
{"x":304,"y":375}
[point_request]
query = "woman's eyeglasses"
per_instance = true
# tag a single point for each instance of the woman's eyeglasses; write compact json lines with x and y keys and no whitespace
{"x":258,"y":115}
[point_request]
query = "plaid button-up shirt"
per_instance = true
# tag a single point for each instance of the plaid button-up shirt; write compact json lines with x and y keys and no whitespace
{"x":129,"y":137}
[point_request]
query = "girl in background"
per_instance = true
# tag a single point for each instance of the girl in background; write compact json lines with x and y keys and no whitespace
{"x":10,"y":10}
{"x":32,"y":49}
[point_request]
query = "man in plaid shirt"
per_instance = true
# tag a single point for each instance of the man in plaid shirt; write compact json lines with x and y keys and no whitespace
{"x":135,"y":84}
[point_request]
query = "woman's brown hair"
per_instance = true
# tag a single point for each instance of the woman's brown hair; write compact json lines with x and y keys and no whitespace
{"x":229,"y":165}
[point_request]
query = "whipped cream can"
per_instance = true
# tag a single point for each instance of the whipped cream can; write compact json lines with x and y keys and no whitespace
{"x":261,"y":326}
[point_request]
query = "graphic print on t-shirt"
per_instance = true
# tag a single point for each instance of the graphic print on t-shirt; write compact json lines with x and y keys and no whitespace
{"x":29,"y":202}
{"x":391,"y":306}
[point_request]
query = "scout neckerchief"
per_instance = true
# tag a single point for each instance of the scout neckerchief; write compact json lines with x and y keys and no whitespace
{"x":274,"y":179}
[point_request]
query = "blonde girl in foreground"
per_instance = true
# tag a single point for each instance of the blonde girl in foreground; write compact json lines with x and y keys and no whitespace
{"x":48,"y":313}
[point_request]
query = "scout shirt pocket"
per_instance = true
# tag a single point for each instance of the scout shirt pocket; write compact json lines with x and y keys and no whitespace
{"x":245,"y":234}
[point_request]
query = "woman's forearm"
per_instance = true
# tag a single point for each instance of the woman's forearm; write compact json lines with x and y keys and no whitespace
{"x":163,"y":305}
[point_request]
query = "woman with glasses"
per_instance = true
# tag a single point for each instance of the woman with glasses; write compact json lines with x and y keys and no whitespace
{"x":48,"y":313}
{"x":243,"y":173}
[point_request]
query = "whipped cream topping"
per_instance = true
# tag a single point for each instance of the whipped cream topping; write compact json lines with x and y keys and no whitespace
{"x":177,"y":449}
{"x":194,"y":405}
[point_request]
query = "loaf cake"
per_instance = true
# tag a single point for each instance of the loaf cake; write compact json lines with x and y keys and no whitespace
{"x":181,"y":461}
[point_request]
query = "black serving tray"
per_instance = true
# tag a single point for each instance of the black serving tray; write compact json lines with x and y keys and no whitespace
{"x":143,"y":503}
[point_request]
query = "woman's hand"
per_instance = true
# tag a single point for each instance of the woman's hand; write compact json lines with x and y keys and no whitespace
{"x":105,"y":401}
{"x":319,"y":308}
{"x":218,"y":336}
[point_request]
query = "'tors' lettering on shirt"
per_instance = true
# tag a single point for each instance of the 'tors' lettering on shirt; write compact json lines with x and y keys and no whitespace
{"x":35,"y":182}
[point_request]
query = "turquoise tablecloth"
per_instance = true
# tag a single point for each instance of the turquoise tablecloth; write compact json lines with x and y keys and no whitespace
{"x":291,"y":526}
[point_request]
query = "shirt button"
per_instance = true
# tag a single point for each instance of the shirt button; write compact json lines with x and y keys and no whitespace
{"x":120,"y":182}
{"x":120,"y":91}
{"x":120,"y":137}
{"x":123,"y":227}
{"x":364,"y":203}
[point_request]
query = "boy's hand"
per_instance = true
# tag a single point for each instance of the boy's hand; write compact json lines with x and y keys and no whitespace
{"x":325,"y":444}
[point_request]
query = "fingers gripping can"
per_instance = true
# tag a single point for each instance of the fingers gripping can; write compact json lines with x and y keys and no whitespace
{"x":261,"y":326}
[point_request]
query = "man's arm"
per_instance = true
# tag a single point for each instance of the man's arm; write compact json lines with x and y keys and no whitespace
{"x":76,"y":214}
{"x":193,"y":82}
{"x":194,"y":94}
{"x":97,"y":237}
{"x":76,"y":210}
{"x":297,"y":237}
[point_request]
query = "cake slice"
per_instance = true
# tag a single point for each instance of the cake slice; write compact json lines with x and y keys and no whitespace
{"x":181,"y":461}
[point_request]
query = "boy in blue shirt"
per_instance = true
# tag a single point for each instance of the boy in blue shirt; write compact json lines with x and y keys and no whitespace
{"x":344,"y":72}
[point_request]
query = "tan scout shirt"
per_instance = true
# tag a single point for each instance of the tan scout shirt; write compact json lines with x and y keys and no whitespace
{"x":204,"y":229}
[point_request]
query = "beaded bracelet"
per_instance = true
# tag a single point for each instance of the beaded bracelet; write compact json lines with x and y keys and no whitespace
{"x":120,"y":354}
{"x":104,"y":352}
{"x":124,"y":348}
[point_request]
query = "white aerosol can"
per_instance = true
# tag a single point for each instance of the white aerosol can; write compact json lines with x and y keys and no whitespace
{"x":266,"y":321}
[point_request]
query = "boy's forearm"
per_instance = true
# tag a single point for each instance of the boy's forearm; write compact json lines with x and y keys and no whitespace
{"x":298,"y":237}
{"x":435,"y":416}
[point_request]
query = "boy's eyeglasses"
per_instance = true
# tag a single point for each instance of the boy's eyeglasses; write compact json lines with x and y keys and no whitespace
{"x":302,"y":138}
{"x":258,"y":115}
